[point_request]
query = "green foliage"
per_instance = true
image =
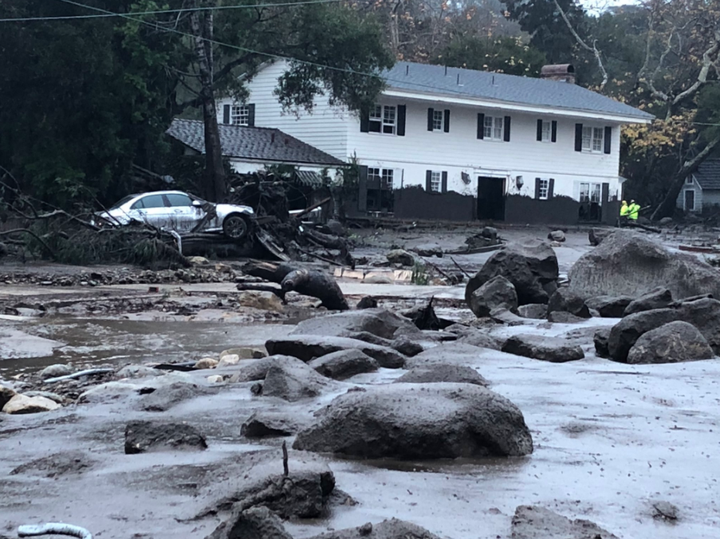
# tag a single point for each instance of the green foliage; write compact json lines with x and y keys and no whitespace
{"x":420,"y":274}
{"x":501,"y":55}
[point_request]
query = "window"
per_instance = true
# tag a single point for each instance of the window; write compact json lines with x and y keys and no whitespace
{"x":387,"y":178}
{"x":151,"y":201}
{"x":543,"y":188}
{"x":178,"y":200}
{"x":435,"y":179}
{"x":494,"y":128}
{"x":689,"y":180}
{"x":383,"y":119}
{"x":590,"y":192}
{"x":382,"y":176}
{"x":592,"y":139}
{"x":546,"y":132}
{"x":240,"y":115}
{"x":437,"y":120}
{"x":689,"y":200}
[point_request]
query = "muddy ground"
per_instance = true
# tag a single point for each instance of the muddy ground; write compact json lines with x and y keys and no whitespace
{"x":610,"y":439}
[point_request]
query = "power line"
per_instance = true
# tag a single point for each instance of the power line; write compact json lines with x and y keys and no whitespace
{"x":110,"y":14}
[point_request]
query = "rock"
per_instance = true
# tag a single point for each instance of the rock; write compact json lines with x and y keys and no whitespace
{"x":536,"y":311}
{"x":264,"y":301}
{"x":600,"y":339}
{"x":265,"y":424}
{"x":293,"y":382}
{"x":562,"y":317}
{"x":138,"y":371}
{"x":503,"y":316}
{"x":253,"y":371}
{"x":367,"y":302}
{"x":429,"y":249}
{"x":308,"y":347}
{"x":344,"y":364}
{"x":564,"y":300}
{"x":387,"y":529}
{"x":145,"y":436}
{"x":480,"y":339}
{"x":550,"y":349}
{"x":666,"y":221}
{"x":253,"y":523}
{"x":665,"y":510}
{"x":198,"y":260}
{"x":670,"y":343}
{"x":22,"y":404}
{"x":46,"y":394}
{"x":533,"y":522}
{"x":245,"y":352}
{"x":215,"y":379}
{"x":527,"y":266}
{"x":489,"y":232}
{"x":400,"y":256}
{"x":497,"y":292}
{"x":167,"y":396}
{"x":56,"y":465}
{"x":625,"y":333}
{"x":658,"y":298}
{"x":609,"y":306}
{"x":228,"y":360}
{"x":433,"y":374}
{"x":379,"y":322}
{"x":378,"y":278}
{"x":6,"y":394}
{"x":406,"y":347}
{"x":597,"y":235}
{"x":206,"y":363}
{"x":630,"y":264}
{"x":335,"y":227}
{"x":52,"y":371}
{"x":704,"y":314}
{"x":408,"y":421}
{"x":557,"y":235}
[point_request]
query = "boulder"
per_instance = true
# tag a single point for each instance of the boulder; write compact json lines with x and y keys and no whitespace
{"x":597,"y":235}
{"x":704,"y":314}
{"x":600,"y":339}
{"x":253,"y":523}
{"x":206,"y":363}
{"x":227,"y":360}
{"x":563,"y":317}
{"x":56,"y":465}
{"x":626,"y":263}
{"x":367,"y":302}
{"x":536,"y":311}
{"x":497,"y":292}
{"x":53,"y":371}
{"x":308,"y":347}
{"x":406,"y":346}
{"x":533,"y":522}
{"x":609,"y":306}
{"x":379,"y":322}
{"x":387,"y":529}
{"x":665,"y":510}
{"x":166,"y":396}
{"x":527,"y":266}
{"x":215,"y":379}
{"x":138,"y":371}
{"x":344,"y":364}
{"x":253,"y":371}
{"x":625,"y":333}
{"x":564,"y":300}
{"x":504,"y":316}
{"x":658,"y":298}
{"x":550,"y":349}
{"x":557,"y":235}
{"x":6,"y":394}
{"x":294,"y":382}
{"x":264,"y":301}
{"x":266,"y":424}
{"x":47,"y":394}
{"x":145,"y":436}
{"x":400,"y":256}
{"x":481,"y":339}
{"x":22,"y":404}
{"x":433,"y":374}
{"x":410,"y":421}
{"x":670,"y":343}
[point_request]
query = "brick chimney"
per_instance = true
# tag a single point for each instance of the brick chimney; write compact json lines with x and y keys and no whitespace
{"x":559,"y":72}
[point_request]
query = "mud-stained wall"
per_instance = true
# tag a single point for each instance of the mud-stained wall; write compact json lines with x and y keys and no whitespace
{"x":416,"y":203}
{"x":559,"y":210}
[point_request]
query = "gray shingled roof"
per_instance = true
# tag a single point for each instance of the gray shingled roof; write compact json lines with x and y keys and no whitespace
{"x":504,"y":88}
{"x":708,"y":174}
{"x":255,"y":143}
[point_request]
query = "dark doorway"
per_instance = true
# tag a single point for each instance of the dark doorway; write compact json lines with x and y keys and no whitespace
{"x":491,"y":198}
{"x":689,"y":200}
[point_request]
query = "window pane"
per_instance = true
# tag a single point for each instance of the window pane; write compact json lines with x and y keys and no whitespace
{"x":587,"y":138}
{"x":437,"y":120}
{"x":387,"y":178}
{"x":435,"y":182}
{"x":177,"y":200}
{"x":543,"y":191}
{"x":376,"y":112}
{"x":498,"y":132}
{"x":240,"y":115}
{"x":595,"y":193}
{"x":584,"y":192}
{"x":373,"y":174}
{"x":597,"y":139}
{"x":389,"y":117}
{"x":153,"y":201}
{"x":546,"y":131}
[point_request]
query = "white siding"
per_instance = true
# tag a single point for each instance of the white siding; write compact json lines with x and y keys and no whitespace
{"x":326,"y":128}
{"x":700,"y":199}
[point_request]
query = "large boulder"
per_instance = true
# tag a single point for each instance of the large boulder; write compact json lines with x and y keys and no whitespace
{"x":565,"y":301}
{"x":53,"y":371}
{"x":704,"y":314}
{"x":671,"y":343}
{"x":409,"y":421}
{"x":252,"y":371}
{"x":550,"y":349}
{"x":657,"y":298}
{"x":533,"y":522}
{"x":6,"y":394}
{"x":434,"y":374}
{"x":626,"y":263}
{"x":23,"y":404}
{"x":253,"y":523}
{"x":609,"y":306}
{"x":400,"y":256}
{"x":497,"y":292}
{"x":309,"y":347}
{"x":625,"y":333}
{"x":294,"y":382}
{"x":166,"y":396}
{"x":530,"y":267}
{"x":387,"y":529}
{"x":344,"y":364}
{"x":145,"y":436}
{"x":380,"y":322}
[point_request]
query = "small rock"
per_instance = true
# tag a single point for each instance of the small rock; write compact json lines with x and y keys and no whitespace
{"x":215,"y":379}
{"x":378,"y":278}
{"x":253,"y":523}
{"x":264,"y":424}
{"x":52,"y":371}
{"x":550,"y":349}
{"x":489,"y":232}
{"x":504,"y":316}
{"x":600,"y":339}
{"x":367,"y":302}
{"x":400,"y":256}
{"x":46,"y":394}
{"x":144,"y":436}
{"x":533,"y":522}
{"x":294,"y":382}
{"x":199,"y":260}
{"x":597,"y":235}
{"x":206,"y":363}
{"x":387,"y":529}
{"x":657,"y":298}
{"x":665,"y":510}
{"x":557,"y":235}
{"x":562,"y":317}
{"x":535,"y":311}
{"x":264,"y":301}
{"x":406,"y":346}
{"x":22,"y":404}
{"x":227,"y":360}
{"x":344,"y":364}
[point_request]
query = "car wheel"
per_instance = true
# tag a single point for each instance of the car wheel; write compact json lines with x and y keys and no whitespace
{"x":236,"y":227}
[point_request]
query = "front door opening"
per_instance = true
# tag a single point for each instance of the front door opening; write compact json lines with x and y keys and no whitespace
{"x":689,"y":200}
{"x":491,"y":198}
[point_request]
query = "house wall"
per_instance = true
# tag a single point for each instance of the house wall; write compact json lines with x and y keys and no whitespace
{"x":700,"y":199}
{"x":710,"y":198}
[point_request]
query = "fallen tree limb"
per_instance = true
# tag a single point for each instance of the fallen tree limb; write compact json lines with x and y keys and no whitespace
{"x":311,"y":208}
{"x":31,"y":233}
{"x":53,"y":528}
{"x":79,"y":374}
{"x":460,"y":267}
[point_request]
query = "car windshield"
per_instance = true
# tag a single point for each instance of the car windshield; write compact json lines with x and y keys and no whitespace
{"x":122,"y":201}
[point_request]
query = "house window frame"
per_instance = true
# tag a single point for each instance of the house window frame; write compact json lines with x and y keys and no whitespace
{"x":543,"y":188}
{"x":689,"y":180}
{"x":694,"y":199}
{"x":546,"y":131}
{"x":494,"y":128}
{"x":594,"y":192}
{"x":382,"y":120}
{"x":438,"y":120}
{"x":384,"y":176}
{"x":240,"y":115}
{"x":435,"y":181}
{"x":593,"y":139}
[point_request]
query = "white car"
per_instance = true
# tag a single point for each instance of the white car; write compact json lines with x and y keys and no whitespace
{"x":181,"y":212}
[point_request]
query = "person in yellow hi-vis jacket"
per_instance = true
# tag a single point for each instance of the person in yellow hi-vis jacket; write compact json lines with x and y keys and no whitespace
{"x":633,"y":211}
{"x":624,"y":210}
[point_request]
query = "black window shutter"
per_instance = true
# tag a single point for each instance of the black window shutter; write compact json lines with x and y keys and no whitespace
{"x":364,"y":120}
{"x":401,"y":114}
{"x":506,"y":125}
{"x":430,"y":119}
{"x":551,"y":188}
{"x":554,"y":131}
{"x":446,"y":124}
{"x":226,"y":114}
{"x":537,"y":188}
{"x":362,"y":188}
{"x":608,"y":139}
{"x":481,"y":126}
{"x":444,"y":181}
{"x":539,"y":130}
{"x":578,"y":137}
{"x":428,"y":180}
{"x":251,"y":115}
{"x":605,"y":193}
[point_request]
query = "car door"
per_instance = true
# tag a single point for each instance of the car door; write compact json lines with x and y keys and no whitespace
{"x":151,"y":209}
{"x":183,"y":214}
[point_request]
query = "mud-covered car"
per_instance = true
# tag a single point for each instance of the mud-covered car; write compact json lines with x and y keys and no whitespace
{"x":181,"y":212}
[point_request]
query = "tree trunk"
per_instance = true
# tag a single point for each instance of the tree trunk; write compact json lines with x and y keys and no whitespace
{"x":215,"y":181}
{"x":667,"y":206}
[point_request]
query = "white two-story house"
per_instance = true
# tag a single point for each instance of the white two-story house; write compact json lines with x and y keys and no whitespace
{"x":461,"y":144}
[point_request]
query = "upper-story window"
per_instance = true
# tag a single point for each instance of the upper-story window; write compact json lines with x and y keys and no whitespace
{"x":546,"y":132}
{"x":592,"y":139}
{"x":494,"y":127}
{"x":383,"y":119}
{"x":240,"y":115}
{"x":437,"y":120}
